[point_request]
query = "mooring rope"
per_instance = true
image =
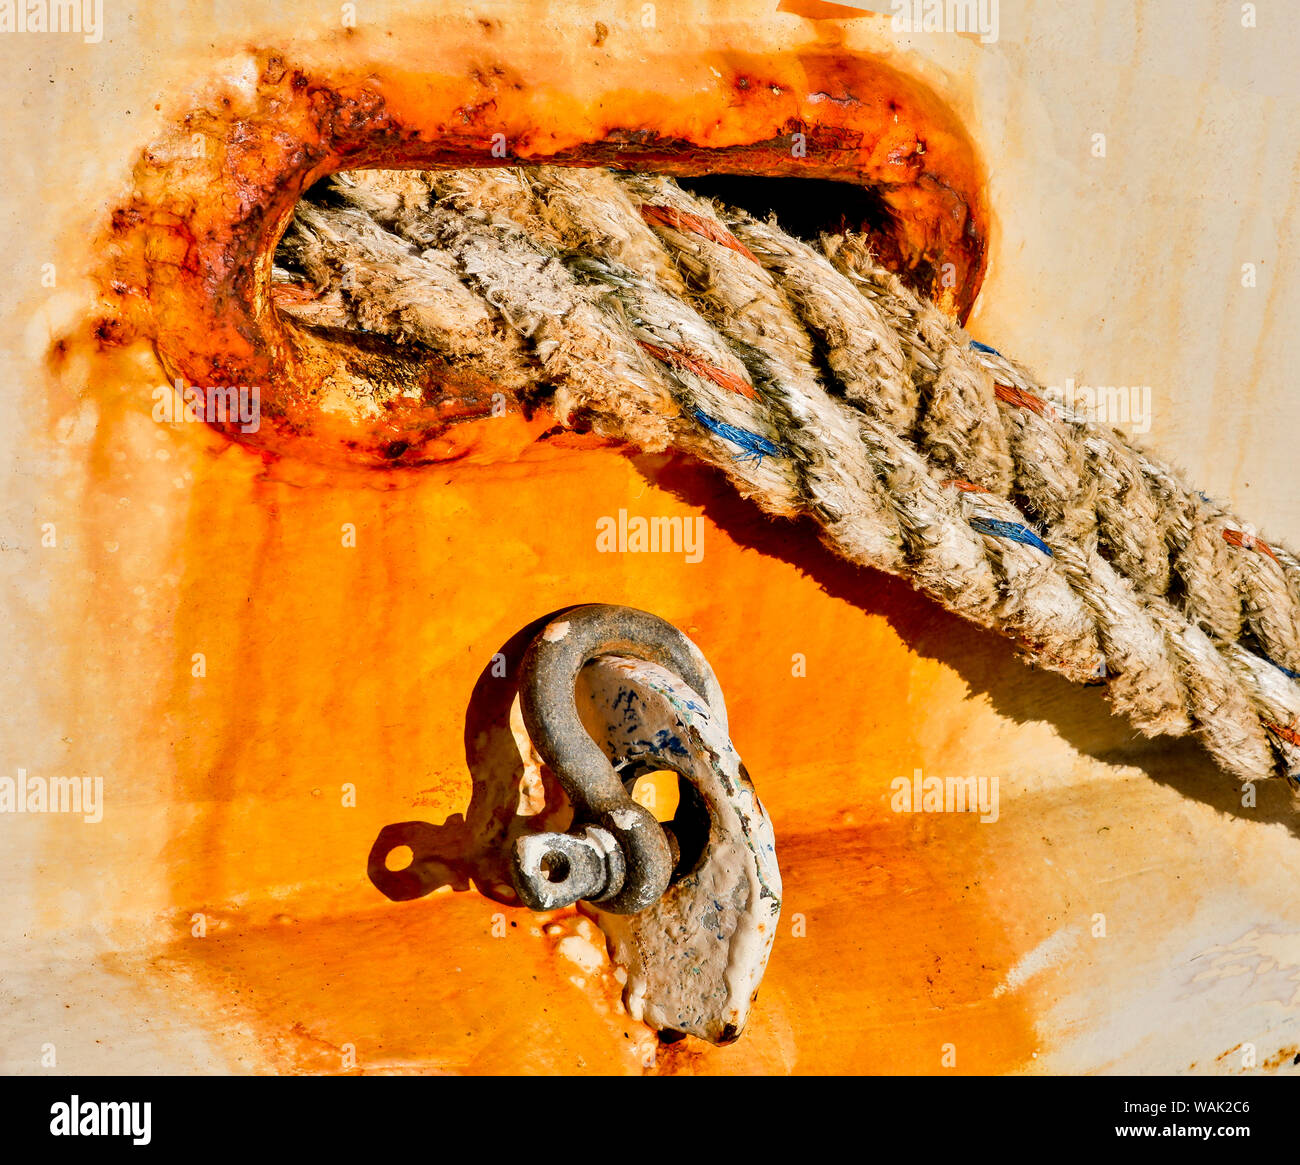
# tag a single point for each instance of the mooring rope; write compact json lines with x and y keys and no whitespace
{"x":820,"y":385}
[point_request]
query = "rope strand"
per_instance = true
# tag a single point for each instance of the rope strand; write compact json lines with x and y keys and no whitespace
{"x":821,"y":385}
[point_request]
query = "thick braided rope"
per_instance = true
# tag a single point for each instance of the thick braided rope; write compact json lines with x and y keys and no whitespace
{"x":821,"y":385}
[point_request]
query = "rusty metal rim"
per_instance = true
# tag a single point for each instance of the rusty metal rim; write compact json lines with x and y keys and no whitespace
{"x":191,"y":249}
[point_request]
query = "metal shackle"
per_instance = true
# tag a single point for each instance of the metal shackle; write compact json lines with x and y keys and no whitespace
{"x":616,"y":852}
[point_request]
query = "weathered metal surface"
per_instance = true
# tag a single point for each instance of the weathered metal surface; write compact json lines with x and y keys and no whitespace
{"x":547,"y":699}
{"x":551,"y":870}
{"x":190,"y":249}
{"x":690,"y":906}
{"x":980,"y":934}
{"x":694,"y":958}
{"x":604,"y":695}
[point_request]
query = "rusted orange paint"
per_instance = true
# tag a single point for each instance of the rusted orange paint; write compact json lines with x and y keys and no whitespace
{"x":328,"y":665}
{"x":189,"y":251}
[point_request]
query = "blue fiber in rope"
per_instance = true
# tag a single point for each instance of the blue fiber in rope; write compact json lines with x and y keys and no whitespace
{"x":755,"y":446}
{"x":1013,"y":530}
{"x":1286,"y":671}
{"x":984,"y":348}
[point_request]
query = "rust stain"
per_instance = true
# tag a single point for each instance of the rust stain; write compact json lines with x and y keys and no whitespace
{"x":821,"y":10}
{"x":188,"y":252}
{"x":1289,"y":1055}
{"x":327,"y":666}
{"x":330,"y":666}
